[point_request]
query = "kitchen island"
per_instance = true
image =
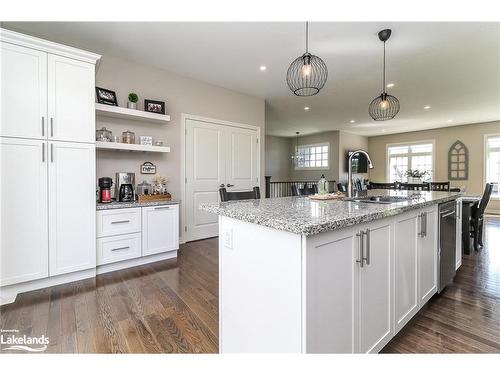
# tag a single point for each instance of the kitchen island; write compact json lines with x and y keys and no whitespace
{"x":343,"y":276}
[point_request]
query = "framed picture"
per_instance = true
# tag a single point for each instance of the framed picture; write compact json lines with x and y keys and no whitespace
{"x":146,"y":140}
{"x":105,"y":96}
{"x":154,"y":106}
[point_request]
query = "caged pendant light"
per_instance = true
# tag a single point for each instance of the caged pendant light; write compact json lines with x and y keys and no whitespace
{"x":385,"y":106}
{"x":307,"y":74}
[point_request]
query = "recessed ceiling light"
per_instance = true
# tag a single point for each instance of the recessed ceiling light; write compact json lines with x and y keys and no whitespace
{"x":306,"y":108}
{"x":427,"y":107}
{"x":389,"y":85}
{"x":352,"y":121}
{"x":262,"y":68}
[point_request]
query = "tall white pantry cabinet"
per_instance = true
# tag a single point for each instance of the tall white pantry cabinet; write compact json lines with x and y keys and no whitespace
{"x":47,"y":158}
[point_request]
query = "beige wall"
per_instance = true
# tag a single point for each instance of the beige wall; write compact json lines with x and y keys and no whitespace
{"x":471,"y":135}
{"x":182,"y":95}
{"x":278,"y":162}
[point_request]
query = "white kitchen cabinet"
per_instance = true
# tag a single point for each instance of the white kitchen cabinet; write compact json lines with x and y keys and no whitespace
{"x":458,"y":254}
{"x":71,"y":207}
{"x":160,"y":229}
{"x":118,"y":221}
{"x":71,"y":103}
{"x":375,"y":317}
{"x":428,"y":254}
{"x":118,"y":248}
{"x":24,"y":92}
{"x":332,"y":293}
{"x":405,"y":268}
{"x":24,"y":226}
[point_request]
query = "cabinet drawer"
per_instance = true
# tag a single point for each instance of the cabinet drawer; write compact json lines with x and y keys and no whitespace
{"x":118,"y":221}
{"x":117,"y":248}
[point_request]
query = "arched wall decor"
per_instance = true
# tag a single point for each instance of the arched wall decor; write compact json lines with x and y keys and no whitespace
{"x":458,"y":162}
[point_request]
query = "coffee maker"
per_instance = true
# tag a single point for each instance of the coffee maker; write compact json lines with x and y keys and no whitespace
{"x":125,"y":186}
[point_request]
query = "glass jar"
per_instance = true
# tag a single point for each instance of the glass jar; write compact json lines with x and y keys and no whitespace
{"x":103,"y":135}
{"x":128,"y":137}
{"x":144,"y":188}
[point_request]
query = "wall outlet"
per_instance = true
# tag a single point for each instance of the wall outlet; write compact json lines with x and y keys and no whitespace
{"x":228,"y":238}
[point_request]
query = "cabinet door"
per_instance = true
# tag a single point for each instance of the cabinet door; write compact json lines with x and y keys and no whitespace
{"x":405,"y":268}
{"x":458,"y":254}
{"x":428,"y":256}
{"x":160,"y":229}
{"x":72,"y":237}
{"x":71,"y":104}
{"x":24,"y":239}
{"x":24,"y":92}
{"x":332,"y":288}
{"x":375,"y":289}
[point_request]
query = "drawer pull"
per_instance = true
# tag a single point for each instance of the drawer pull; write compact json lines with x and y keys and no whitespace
{"x":120,"y":222}
{"x":121,"y":248}
{"x":162,"y":208}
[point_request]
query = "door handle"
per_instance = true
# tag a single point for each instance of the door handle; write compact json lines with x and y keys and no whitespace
{"x":230,"y":185}
{"x":51,"y":126}
{"x":43,"y":126}
{"x":360,"y":248}
{"x":43,"y":152}
{"x":368,"y":247}
{"x":51,"y":152}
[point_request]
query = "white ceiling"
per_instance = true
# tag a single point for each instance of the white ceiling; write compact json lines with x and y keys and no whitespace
{"x":453,"y":67}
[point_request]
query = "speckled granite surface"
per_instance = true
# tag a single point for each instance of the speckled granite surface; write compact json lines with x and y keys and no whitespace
{"x":115,"y":205}
{"x":301,"y":215}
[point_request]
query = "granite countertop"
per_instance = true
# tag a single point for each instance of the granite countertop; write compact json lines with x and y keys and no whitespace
{"x":301,"y":215}
{"x":115,"y":204}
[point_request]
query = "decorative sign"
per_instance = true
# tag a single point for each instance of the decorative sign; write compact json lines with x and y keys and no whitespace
{"x":458,"y":162}
{"x":148,"y":168}
{"x":146,"y":140}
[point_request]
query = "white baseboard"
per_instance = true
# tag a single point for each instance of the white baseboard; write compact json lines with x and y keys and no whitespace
{"x":105,"y":268}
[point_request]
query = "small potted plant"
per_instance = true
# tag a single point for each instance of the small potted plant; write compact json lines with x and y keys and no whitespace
{"x":133,"y":98}
{"x":415,"y":176}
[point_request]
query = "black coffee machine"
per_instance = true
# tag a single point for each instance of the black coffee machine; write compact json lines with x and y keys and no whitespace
{"x":125,"y":187}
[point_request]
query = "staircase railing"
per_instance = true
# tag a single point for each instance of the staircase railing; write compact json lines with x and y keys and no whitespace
{"x":278,"y":189}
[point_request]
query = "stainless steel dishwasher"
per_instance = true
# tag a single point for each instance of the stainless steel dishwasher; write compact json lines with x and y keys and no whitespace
{"x":447,"y":243}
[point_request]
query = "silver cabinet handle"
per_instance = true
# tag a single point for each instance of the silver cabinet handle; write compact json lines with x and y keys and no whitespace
{"x":368,"y":247}
{"x":162,"y":208}
{"x":120,"y":222}
{"x":51,"y":152}
{"x":424,"y":231}
{"x":51,"y":126}
{"x":43,"y":126}
{"x":43,"y":152}
{"x":420,"y":224}
{"x":360,"y":248}
{"x":121,"y":248}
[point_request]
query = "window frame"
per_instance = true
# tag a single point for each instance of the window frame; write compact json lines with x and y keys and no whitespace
{"x":388,"y":157}
{"x":298,"y":168}
{"x":485,"y":162}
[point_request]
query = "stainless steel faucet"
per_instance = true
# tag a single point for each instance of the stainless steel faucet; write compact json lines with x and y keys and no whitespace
{"x":349,"y":180}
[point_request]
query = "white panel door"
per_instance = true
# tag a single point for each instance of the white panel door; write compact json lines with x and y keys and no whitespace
{"x":205,"y":173}
{"x":428,"y":256}
{"x":332,"y":289}
{"x":24,"y":228}
{"x":160,"y":229}
{"x":375,"y":290}
{"x":242,"y":159}
{"x":71,"y":100}
{"x":72,"y":244}
{"x":405,"y":268}
{"x":24,"y":92}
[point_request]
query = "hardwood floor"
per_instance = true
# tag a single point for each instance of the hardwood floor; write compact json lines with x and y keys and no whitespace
{"x":171,"y":307}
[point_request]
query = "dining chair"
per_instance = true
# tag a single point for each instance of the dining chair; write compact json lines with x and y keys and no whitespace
{"x":419,"y":187}
{"x":439,"y":186}
{"x":477,"y":217}
{"x":239,"y":195}
{"x":306,"y":190}
{"x":342,"y":187}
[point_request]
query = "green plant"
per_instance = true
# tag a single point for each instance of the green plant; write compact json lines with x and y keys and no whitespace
{"x":416,"y":173}
{"x":132,"y":97}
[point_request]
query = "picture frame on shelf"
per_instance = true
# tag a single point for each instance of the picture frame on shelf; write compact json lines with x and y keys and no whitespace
{"x":154,"y":106}
{"x":146,"y":140}
{"x":105,"y":96}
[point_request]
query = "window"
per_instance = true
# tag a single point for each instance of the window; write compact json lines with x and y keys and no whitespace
{"x":403,"y":157}
{"x":493,"y":162}
{"x":313,"y":156}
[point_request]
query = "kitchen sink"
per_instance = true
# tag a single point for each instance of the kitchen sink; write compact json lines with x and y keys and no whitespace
{"x":381,"y":199}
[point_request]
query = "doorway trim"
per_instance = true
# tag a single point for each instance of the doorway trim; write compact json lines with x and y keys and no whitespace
{"x":184,"y":118}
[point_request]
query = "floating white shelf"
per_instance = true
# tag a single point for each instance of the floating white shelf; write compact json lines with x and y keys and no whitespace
{"x":130,"y":114}
{"x":130,"y":147}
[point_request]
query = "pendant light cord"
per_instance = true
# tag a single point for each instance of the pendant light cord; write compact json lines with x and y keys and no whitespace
{"x":307,"y":36}
{"x":383,"y":82}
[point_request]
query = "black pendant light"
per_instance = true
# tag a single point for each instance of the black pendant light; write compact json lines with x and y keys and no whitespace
{"x":307,"y":74}
{"x":385,"y":106}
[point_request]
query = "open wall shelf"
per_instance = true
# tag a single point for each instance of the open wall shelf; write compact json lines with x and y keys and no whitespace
{"x":130,"y":147}
{"x":130,"y":114}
